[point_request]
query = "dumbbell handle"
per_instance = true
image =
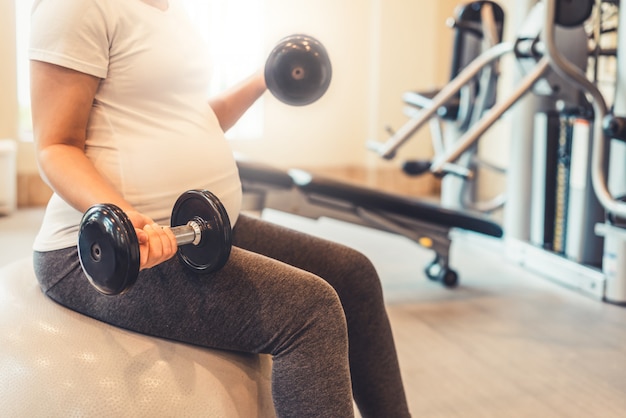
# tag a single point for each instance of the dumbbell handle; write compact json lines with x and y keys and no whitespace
{"x":187,"y":234}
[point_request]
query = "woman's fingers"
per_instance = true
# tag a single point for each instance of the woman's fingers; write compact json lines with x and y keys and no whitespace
{"x":156,"y":244}
{"x":159,"y":246}
{"x":139,"y":220}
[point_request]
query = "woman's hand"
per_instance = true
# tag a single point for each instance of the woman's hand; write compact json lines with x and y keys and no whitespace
{"x":156,"y":244}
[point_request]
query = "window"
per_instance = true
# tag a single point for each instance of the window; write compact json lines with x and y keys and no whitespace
{"x":232,"y":29}
{"x":22,"y":12}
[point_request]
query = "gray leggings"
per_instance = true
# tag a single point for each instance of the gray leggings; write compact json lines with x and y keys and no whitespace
{"x":328,"y":337}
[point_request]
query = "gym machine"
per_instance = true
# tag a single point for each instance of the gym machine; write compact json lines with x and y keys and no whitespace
{"x":612,"y":182}
{"x":478,"y":26}
{"x":552,"y":48}
{"x":596,"y":270}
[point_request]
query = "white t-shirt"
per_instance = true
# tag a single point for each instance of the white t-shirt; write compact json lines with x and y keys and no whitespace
{"x":151,"y":131}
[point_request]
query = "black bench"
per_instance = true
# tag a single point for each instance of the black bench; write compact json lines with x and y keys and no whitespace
{"x":381,"y":201}
{"x":303,"y":193}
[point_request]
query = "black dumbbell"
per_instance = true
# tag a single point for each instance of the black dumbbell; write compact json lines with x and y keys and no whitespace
{"x":108,"y":247}
{"x":298,"y":70}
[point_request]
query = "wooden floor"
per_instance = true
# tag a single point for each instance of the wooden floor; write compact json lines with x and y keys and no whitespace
{"x":506,"y":343}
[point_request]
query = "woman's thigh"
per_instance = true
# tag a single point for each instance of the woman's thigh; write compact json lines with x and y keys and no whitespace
{"x":253,"y":304}
{"x":350,"y":272}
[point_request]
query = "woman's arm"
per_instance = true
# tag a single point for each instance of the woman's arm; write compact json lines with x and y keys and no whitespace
{"x":230,"y":105}
{"x":61,"y":103}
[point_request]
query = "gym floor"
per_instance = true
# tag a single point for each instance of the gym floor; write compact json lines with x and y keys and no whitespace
{"x":505,"y":343}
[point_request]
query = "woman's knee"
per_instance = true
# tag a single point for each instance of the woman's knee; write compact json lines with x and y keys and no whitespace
{"x":323,"y":304}
{"x":357,"y":276}
{"x":316,"y":317}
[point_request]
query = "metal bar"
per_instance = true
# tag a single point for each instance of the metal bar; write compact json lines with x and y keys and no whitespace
{"x":388,"y":149}
{"x":186,"y":234}
{"x":471,"y":136}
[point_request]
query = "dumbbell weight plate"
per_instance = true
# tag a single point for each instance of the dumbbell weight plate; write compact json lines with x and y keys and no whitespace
{"x":213,"y":250}
{"x":298,"y":70}
{"x":108,"y":249}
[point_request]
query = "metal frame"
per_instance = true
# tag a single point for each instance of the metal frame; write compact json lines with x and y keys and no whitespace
{"x":599,"y":173}
{"x":585,"y":278}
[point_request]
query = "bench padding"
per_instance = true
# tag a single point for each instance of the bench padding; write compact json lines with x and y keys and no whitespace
{"x":390,"y":203}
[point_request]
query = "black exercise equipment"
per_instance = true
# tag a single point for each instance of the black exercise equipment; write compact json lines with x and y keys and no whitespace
{"x":570,"y":13}
{"x":298,"y":70}
{"x":469,"y":33}
{"x":306,"y":194}
{"x":108,"y":247}
{"x":614,"y":127}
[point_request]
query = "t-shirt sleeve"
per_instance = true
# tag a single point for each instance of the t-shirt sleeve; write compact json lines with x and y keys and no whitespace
{"x":71,"y":33}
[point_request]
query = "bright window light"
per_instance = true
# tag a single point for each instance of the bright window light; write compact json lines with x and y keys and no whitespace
{"x":232,"y":29}
{"x":22,"y":12}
